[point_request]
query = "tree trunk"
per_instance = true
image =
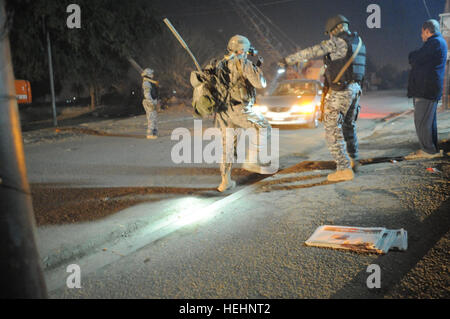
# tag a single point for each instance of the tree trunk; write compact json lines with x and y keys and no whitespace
{"x":97,"y":95}
{"x":92,"y":93}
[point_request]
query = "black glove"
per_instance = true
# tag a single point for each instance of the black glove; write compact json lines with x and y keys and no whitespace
{"x":260,"y":61}
{"x":282,"y":64}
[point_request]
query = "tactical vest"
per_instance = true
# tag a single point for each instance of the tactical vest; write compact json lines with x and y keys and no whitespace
{"x":355,"y":72}
{"x":154,"y":89}
{"x":155,"y":92}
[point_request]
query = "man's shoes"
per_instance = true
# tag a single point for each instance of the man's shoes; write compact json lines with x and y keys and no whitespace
{"x":341,"y":175}
{"x":423,"y":155}
{"x":153,"y":134}
{"x":255,"y":168}
{"x":227,"y":183}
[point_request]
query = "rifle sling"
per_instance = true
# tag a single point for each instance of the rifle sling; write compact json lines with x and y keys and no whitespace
{"x":345,"y":67}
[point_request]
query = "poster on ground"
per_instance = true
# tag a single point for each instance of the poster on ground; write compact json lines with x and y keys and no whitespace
{"x":361,"y":239}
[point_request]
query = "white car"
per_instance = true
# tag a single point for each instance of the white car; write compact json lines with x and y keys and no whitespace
{"x":292,"y":102}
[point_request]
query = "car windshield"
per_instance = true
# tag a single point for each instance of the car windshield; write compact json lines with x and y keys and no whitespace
{"x":299,"y":88}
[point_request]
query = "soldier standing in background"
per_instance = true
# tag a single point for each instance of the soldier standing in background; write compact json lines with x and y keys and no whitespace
{"x":345,"y":59}
{"x":150,"y":102}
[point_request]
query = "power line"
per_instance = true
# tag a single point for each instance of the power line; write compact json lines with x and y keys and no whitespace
{"x":280,"y":32}
{"x":189,"y":14}
{"x":426,"y":7}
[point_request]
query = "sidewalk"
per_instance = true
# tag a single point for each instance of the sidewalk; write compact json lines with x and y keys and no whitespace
{"x":386,"y":192}
{"x":133,"y":126}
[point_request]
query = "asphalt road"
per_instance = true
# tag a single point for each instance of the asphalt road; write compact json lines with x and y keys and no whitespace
{"x":253,"y":248}
{"x":124,"y":160}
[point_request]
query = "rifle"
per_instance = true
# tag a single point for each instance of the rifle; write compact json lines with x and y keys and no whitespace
{"x":135,"y":65}
{"x":182,"y":42}
{"x":325,"y":90}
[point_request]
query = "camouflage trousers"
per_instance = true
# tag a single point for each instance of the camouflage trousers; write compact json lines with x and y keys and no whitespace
{"x":341,"y":111}
{"x":152,"y":115}
{"x":238,"y":116}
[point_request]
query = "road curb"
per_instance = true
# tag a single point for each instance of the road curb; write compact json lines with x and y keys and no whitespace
{"x":386,"y":120}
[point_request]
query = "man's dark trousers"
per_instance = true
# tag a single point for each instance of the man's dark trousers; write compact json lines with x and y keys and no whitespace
{"x":425,"y":121}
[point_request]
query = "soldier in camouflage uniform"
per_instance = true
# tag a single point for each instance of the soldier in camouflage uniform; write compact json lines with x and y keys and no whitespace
{"x":244,"y":77}
{"x":341,"y":104}
{"x":150,"y":102}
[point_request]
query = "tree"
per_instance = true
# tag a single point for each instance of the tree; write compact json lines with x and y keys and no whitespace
{"x":370,"y":65}
{"x":95,"y":55}
{"x":389,"y":75}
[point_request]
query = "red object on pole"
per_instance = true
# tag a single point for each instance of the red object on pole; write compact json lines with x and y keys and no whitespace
{"x":23,"y":91}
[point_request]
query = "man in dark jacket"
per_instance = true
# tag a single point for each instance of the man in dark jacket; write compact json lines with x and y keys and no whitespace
{"x":425,"y":87}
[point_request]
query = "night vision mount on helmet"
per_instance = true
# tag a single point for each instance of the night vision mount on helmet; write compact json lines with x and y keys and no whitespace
{"x":334,"y":22}
{"x":239,"y":43}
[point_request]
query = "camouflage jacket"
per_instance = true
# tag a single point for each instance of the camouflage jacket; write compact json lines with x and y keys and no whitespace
{"x":335,"y":47}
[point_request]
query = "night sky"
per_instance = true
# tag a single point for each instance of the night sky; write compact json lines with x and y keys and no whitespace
{"x":303,"y":21}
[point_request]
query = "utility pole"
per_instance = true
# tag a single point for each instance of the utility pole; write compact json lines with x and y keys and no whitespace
{"x":50,"y":70}
{"x":52,"y":81}
{"x":20,"y":270}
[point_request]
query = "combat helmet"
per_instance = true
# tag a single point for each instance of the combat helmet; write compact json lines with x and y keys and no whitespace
{"x":147,"y":73}
{"x":238,"y":43}
{"x":334,"y":22}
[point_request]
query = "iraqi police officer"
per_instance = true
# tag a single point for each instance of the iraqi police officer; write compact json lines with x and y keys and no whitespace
{"x":345,"y":58}
{"x":244,"y":77}
{"x":150,"y":102}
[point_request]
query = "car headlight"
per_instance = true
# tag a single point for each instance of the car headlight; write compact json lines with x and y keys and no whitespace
{"x":305,"y":108}
{"x":260,"y":108}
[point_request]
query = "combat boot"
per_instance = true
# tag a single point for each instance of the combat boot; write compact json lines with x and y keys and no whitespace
{"x":422,"y":154}
{"x":227,"y":183}
{"x":260,"y":169}
{"x":341,"y":175}
{"x":263,"y":169}
{"x":152,"y":134}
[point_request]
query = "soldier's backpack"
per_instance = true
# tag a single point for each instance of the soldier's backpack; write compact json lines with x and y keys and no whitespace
{"x":211,"y":89}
